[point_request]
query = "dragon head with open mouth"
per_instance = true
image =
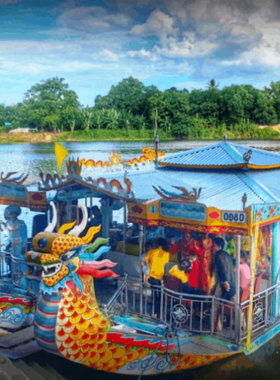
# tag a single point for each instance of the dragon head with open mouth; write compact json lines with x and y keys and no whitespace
{"x":63,"y":257}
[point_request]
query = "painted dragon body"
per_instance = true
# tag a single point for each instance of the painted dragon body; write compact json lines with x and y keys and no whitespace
{"x":69,"y":322}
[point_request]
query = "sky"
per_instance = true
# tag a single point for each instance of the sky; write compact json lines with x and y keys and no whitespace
{"x":95,"y":44}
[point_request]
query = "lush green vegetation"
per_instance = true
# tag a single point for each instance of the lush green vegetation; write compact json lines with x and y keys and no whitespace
{"x":131,"y":110}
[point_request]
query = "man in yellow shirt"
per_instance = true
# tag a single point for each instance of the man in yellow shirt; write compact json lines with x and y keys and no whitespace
{"x":157,"y":258}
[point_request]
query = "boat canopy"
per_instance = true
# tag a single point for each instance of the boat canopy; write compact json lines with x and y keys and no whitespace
{"x":222,"y":155}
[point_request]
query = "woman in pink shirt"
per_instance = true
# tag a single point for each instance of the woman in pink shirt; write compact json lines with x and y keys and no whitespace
{"x":244,"y":270}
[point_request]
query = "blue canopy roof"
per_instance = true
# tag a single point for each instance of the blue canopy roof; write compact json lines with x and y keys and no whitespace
{"x":220,"y":188}
{"x":222,"y":155}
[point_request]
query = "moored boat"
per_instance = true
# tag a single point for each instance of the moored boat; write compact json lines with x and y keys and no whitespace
{"x":222,"y":190}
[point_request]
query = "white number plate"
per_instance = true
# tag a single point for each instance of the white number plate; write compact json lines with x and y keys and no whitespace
{"x":234,"y":217}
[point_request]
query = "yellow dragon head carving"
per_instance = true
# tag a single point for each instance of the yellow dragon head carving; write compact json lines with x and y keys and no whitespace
{"x":60,"y":254}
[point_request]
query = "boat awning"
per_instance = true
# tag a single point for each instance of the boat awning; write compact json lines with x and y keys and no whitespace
{"x":222,"y":155}
{"x":221,"y":189}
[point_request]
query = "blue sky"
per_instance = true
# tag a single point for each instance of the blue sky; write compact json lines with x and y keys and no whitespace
{"x":166,"y":43}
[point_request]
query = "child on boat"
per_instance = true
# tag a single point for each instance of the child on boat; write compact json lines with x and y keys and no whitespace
{"x":181,"y":271}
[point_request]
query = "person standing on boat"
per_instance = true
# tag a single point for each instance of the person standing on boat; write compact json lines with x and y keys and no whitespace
{"x":96,"y":219}
{"x":225,"y":270}
{"x":16,"y":236}
{"x":205,"y":267}
{"x":244,"y":270}
{"x":191,"y":249}
{"x":157,"y":259}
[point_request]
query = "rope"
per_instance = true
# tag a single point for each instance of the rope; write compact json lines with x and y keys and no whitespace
{"x":164,"y":333}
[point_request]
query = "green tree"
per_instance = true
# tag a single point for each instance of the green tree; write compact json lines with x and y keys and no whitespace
{"x":212,"y":84}
{"x":237,"y":104}
{"x":264,"y":110}
{"x":46,"y":101}
{"x":128,"y":95}
{"x":98,"y":118}
{"x":274,"y":94}
{"x":177,"y":109}
{"x":86,"y":115}
{"x":69,"y":119}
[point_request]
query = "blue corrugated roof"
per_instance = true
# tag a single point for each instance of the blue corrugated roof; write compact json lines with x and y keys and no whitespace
{"x":223,"y":154}
{"x":220,"y":188}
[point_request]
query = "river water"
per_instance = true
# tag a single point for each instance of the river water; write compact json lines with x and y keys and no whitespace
{"x":29,"y":158}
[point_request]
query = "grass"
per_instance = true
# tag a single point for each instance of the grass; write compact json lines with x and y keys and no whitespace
{"x":243,"y":131}
{"x":123,"y":135}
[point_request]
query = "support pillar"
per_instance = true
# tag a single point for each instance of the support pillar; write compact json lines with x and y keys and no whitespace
{"x":253,"y":256}
{"x":141,"y":235}
{"x":237,"y":286}
{"x":275,"y":266}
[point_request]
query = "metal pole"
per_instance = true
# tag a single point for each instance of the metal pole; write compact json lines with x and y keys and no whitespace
{"x":274,"y":262}
{"x":156,"y":142}
{"x":90,"y":203}
{"x":124,"y":228}
{"x":140,"y":249}
{"x":237,"y":284}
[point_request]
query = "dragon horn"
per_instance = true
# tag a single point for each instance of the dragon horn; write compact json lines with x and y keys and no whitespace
{"x":52,"y":224}
{"x":80,"y":227}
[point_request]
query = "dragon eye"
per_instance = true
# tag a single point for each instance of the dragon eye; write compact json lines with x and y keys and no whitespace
{"x":42,"y":243}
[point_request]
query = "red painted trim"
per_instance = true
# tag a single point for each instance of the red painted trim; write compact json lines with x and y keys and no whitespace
{"x":15,"y":301}
{"x":130,"y":341}
{"x":44,"y":327}
{"x":46,"y":313}
{"x":194,"y":227}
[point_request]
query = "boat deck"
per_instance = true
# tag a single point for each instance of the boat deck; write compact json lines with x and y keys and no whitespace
{"x":204,"y":347}
{"x":196,"y":325}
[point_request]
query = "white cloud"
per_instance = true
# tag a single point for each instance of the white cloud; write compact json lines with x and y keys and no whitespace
{"x":238,"y":17}
{"x":143,"y":54}
{"x":119,"y":19}
{"x":158,"y":24}
{"x":108,"y":54}
{"x":92,"y":19}
{"x":189,"y":47}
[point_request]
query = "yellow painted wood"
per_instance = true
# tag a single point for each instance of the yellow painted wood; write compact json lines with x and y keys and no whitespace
{"x":251,"y":166}
{"x":253,"y":268}
{"x":142,"y":211}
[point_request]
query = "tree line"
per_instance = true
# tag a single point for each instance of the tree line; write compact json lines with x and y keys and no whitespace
{"x":130,"y":105}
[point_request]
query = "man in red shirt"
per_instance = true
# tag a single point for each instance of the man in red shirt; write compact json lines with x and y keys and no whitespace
{"x":191,"y":249}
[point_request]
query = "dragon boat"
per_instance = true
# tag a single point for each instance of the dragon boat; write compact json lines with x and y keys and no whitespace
{"x":77,"y":289}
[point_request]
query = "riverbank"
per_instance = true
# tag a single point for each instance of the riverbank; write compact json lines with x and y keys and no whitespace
{"x":77,"y":136}
{"x":266,"y":133}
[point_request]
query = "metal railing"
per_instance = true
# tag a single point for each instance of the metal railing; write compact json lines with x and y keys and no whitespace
{"x":196,"y":313}
{"x":12,"y":269}
{"x":5,"y":265}
{"x":266,"y":312}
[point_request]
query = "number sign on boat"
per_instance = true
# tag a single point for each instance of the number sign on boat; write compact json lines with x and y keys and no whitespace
{"x":234,"y":216}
